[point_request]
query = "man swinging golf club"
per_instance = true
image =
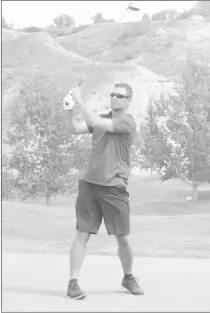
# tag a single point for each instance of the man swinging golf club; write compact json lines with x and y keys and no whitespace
{"x":102,"y":192}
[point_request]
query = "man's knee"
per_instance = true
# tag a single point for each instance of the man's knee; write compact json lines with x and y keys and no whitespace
{"x":82,"y":237}
{"x":123,"y":240}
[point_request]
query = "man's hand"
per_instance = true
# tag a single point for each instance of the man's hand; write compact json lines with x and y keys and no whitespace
{"x":68,"y":102}
{"x":76,"y":95}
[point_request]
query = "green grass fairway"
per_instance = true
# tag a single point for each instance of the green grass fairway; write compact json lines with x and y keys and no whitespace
{"x":162,"y":223}
{"x":38,"y":282}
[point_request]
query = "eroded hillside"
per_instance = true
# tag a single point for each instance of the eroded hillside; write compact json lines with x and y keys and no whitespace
{"x":26,"y":54}
{"x":161,"y":47}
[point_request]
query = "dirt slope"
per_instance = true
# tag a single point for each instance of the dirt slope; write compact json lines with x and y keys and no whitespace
{"x":162,"y":48}
{"x":25,"y":54}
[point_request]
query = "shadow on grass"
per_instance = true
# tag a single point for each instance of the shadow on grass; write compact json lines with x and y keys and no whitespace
{"x":106,"y":292}
{"x":57,"y":293}
{"x":35,"y":291}
{"x":204,"y":195}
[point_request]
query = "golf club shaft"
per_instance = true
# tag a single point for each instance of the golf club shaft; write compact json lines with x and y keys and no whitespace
{"x":101,"y":51}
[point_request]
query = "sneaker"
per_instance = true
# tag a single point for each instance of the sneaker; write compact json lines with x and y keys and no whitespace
{"x":74,"y":290}
{"x":131,"y":284}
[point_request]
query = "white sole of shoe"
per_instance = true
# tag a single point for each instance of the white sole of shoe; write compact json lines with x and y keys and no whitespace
{"x":128,"y":291}
{"x":81,"y":297}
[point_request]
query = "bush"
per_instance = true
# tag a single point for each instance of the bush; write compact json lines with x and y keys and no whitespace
{"x":175,"y":136}
{"x":59,"y":31}
{"x":32,"y":29}
{"x":136,"y":29}
{"x":185,"y":15}
{"x":98,"y":18}
{"x":147,"y":44}
{"x":65,"y":31}
{"x":5,"y":24}
{"x":80,"y":28}
{"x":64,"y":20}
{"x":44,"y":155}
{"x":8,"y":179}
{"x":128,"y":56}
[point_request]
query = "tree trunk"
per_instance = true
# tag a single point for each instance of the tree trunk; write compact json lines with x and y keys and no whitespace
{"x":47,"y":199}
{"x":194,"y":191}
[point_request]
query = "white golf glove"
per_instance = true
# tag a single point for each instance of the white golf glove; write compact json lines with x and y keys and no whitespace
{"x":68,"y":102}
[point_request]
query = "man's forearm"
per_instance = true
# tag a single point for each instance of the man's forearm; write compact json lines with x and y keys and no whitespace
{"x":90,"y":117}
{"x":70,"y":121}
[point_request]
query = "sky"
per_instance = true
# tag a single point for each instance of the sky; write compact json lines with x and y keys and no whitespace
{"x":42,"y":13}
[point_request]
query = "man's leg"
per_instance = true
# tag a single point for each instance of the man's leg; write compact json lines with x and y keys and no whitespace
{"x":89,"y":218}
{"x":116,"y":212}
{"x":77,"y":253}
{"x":125,"y":253}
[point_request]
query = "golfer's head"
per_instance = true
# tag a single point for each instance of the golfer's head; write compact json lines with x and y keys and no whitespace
{"x":121,"y":96}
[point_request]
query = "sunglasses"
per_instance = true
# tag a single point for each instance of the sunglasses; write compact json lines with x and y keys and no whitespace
{"x":118,"y":96}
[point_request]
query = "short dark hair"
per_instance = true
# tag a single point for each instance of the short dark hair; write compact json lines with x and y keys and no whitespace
{"x":127,"y":87}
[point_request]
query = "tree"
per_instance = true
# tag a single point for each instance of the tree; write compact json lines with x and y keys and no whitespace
{"x":32,"y":29}
{"x":145,"y":25}
{"x":99,"y":18}
{"x":176,"y":134}
{"x":151,"y":144}
{"x":185,"y":15}
{"x":165,"y":15}
{"x":64,"y":20}
{"x":8,"y":177}
{"x":44,"y":156}
{"x":146,"y":18}
{"x":5,"y":24}
{"x":203,"y":8}
{"x":80,"y":28}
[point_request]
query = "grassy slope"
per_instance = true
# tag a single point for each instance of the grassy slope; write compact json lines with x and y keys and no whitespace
{"x":163,"y":49}
{"x":162,"y":224}
{"x":90,"y":41}
{"x":25,"y":54}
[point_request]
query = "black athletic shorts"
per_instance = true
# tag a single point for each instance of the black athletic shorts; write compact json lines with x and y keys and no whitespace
{"x":95,"y":202}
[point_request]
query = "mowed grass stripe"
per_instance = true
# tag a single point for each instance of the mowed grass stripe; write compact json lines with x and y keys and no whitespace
{"x":33,"y":228}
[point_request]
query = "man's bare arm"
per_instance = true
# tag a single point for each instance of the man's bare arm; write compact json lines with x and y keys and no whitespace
{"x":123,"y":124}
{"x":119,"y":125}
{"x":95,"y":120}
{"x":73,"y":126}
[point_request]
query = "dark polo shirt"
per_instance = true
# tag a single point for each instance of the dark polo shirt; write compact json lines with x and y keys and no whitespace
{"x":110,"y":158}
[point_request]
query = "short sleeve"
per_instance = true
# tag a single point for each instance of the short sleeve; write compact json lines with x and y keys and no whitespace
{"x":124,"y":124}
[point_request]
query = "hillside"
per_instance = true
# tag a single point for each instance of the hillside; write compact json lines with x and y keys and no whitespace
{"x":161,"y":47}
{"x":89,"y":42}
{"x":23,"y":55}
{"x":134,"y":56}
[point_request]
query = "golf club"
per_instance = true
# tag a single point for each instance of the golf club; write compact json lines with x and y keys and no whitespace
{"x":132,"y":7}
